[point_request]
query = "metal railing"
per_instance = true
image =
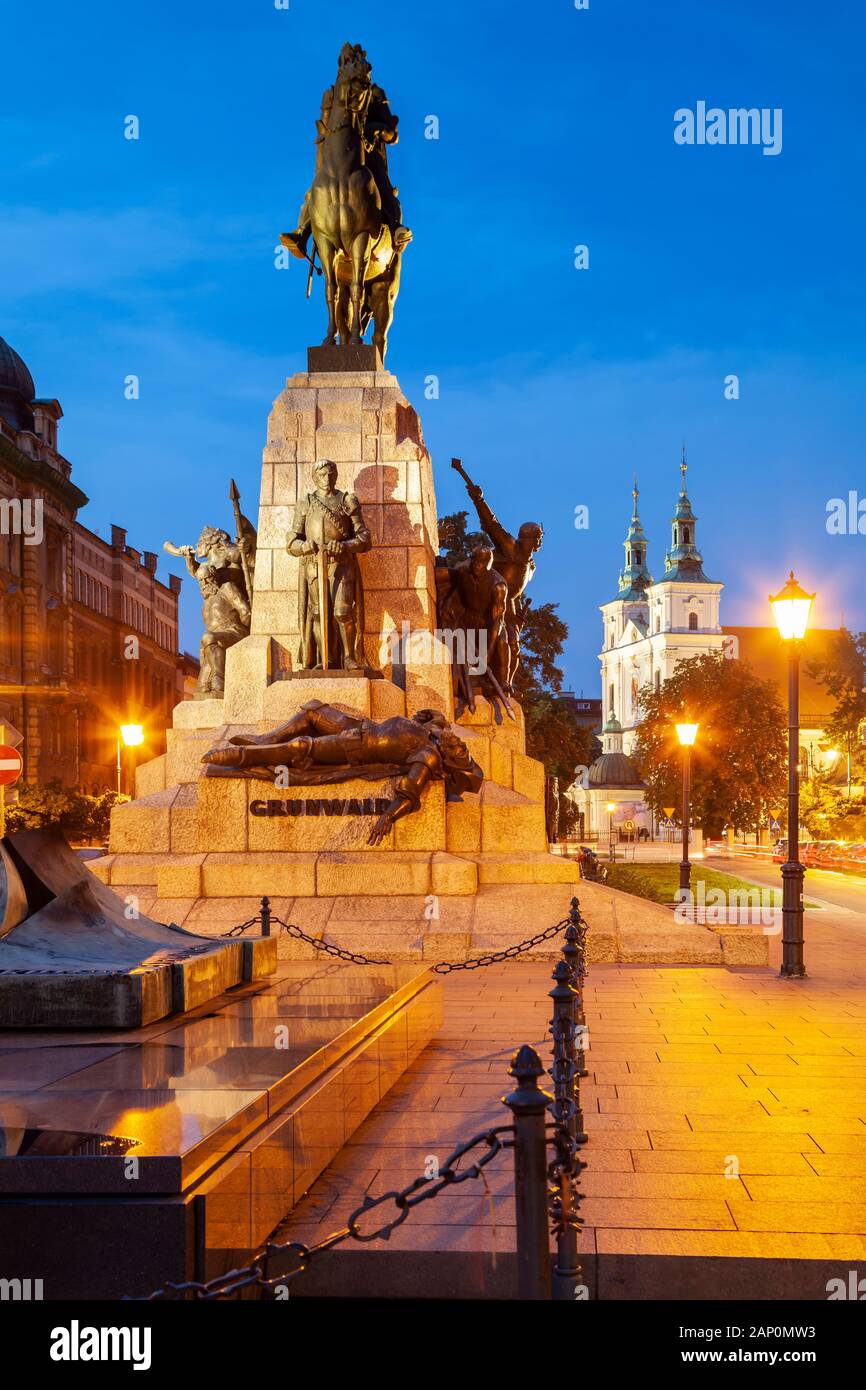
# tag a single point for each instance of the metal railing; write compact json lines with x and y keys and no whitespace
{"x":267,"y":920}
{"x":546,"y":1135}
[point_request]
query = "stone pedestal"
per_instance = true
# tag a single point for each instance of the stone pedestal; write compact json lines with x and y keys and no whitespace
{"x":362,"y":422}
{"x":454,"y":877}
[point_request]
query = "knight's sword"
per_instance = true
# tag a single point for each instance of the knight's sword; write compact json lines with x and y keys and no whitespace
{"x":324,"y":615}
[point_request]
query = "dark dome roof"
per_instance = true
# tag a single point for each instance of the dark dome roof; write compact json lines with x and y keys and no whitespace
{"x":614,"y":770}
{"x":14,"y":374}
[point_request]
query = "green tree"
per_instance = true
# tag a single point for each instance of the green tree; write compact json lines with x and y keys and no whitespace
{"x":455,"y":541}
{"x":79,"y":816}
{"x":739,"y":761}
{"x":828,"y":813}
{"x":841,"y":674}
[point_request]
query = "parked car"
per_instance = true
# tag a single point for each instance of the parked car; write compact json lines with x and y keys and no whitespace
{"x":820,"y":853}
{"x":92,"y":851}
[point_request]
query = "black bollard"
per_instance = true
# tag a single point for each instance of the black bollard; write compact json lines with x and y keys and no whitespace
{"x":528,"y":1104}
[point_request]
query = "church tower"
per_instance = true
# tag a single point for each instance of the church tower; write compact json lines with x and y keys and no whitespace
{"x":625,"y":653}
{"x":684,"y":603}
{"x":650,"y":625}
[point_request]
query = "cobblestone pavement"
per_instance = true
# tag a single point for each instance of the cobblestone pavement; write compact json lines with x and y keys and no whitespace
{"x":726,"y":1110}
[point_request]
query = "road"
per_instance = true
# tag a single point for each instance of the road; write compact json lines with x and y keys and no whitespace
{"x":825,"y":885}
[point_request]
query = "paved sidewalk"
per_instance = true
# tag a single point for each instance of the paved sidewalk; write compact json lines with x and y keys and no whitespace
{"x":727,"y":1118}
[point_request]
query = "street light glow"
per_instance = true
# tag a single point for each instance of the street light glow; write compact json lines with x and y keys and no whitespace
{"x":791,"y":608}
{"x":687,"y":733}
{"x":132,"y":735}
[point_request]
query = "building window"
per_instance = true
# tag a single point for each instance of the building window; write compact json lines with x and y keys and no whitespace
{"x":658,"y":680}
{"x":693,"y":622}
{"x":56,"y":562}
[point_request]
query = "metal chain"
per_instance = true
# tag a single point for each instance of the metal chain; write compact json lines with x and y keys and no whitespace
{"x":353,"y":956}
{"x":261,"y":1273}
{"x":443,"y":967}
{"x":241,"y":927}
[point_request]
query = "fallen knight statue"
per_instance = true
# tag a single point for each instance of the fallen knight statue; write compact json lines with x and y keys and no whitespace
{"x":321,"y":744}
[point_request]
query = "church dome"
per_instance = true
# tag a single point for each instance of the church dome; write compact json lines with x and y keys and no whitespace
{"x":16,"y":389}
{"x":14,"y":373}
{"x":614,"y":770}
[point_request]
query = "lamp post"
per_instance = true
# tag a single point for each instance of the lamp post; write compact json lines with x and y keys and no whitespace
{"x":611,"y":807}
{"x":686,"y":733}
{"x":130,"y":736}
{"x":791,"y":608}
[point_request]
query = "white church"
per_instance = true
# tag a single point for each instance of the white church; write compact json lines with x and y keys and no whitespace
{"x":649,"y":626}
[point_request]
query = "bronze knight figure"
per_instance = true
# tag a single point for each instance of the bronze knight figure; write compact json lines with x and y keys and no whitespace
{"x":328,"y":534}
{"x":322,"y":744}
{"x":513,"y":561}
{"x":225,"y":578}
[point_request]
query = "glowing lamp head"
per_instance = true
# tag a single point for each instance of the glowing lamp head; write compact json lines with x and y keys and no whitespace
{"x":687,"y":733}
{"x":611,"y":806}
{"x":132,"y":735}
{"x":791,"y":608}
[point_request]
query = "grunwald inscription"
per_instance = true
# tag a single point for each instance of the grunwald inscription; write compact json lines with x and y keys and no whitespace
{"x":322,"y":806}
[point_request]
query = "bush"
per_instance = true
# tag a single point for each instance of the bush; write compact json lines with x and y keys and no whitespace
{"x":79,"y":816}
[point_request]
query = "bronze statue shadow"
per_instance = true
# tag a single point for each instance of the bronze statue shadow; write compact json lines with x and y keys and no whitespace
{"x":396,"y":596}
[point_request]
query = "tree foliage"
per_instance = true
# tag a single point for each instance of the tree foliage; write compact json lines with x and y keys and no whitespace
{"x":739,"y":761}
{"x":828,"y":813}
{"x":841,"y":674}
{"x":79,"y":816}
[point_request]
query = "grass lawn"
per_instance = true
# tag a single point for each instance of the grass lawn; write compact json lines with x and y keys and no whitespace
{"x":659,"y":882}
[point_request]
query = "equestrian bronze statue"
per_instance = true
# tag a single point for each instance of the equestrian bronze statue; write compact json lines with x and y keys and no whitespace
{"x":352,"y":208}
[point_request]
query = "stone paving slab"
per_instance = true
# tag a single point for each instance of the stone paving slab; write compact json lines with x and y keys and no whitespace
{"x":726,"y":1111}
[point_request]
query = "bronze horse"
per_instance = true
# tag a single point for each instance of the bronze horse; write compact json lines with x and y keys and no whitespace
{"x":360,"y":262}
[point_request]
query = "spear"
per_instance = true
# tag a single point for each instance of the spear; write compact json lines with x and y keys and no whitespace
{"x":235,"y":497}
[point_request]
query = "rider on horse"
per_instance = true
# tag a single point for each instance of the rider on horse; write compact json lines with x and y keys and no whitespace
{"x":380,"y":131}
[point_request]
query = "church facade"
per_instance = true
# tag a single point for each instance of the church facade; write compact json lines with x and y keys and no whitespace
{"x":649,"y":625}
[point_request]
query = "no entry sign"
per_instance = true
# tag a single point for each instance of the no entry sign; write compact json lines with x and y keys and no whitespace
{"x":11,"y":764}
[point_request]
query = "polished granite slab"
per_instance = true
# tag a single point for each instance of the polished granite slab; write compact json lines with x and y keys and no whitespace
{"x":73,"y":1117}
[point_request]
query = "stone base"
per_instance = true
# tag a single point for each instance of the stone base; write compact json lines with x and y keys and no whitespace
{"x":422,"y":907}
{"x":453,"y":880}
{"x":85,"y":957}
{"x":343,"y":357}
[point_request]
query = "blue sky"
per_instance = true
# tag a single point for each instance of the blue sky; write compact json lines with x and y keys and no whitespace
{"x":156,"y":258}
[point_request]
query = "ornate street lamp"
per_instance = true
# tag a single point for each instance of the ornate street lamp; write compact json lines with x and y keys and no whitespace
{"x":791,"y":608}
{"x":686,"y":733}
{"x":131,"y":736}
{"x":611,"y":807}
